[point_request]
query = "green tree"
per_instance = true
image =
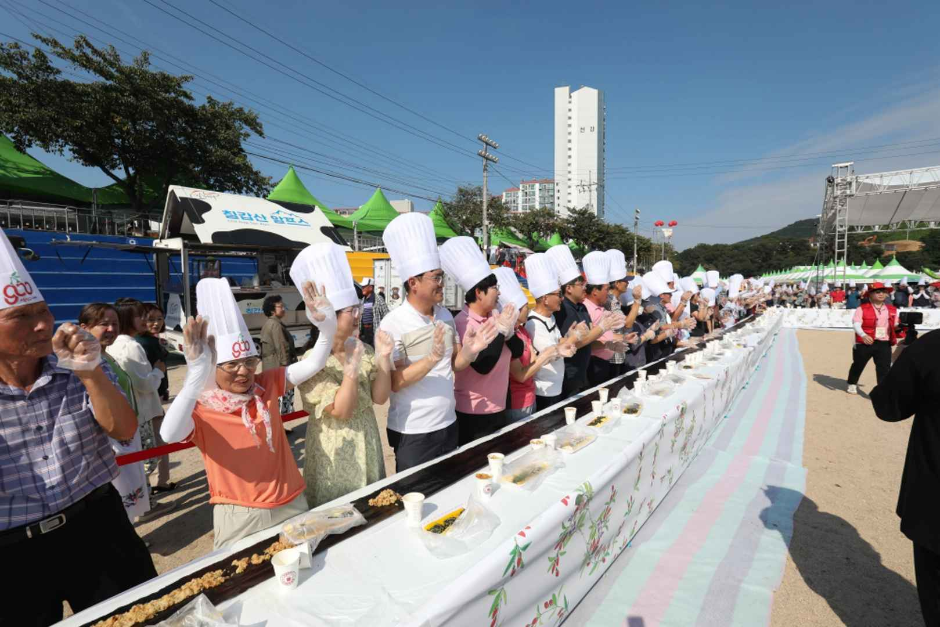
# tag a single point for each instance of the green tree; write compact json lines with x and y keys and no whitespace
{"x":138,"y":126}
{"x":584,"y":228}
{"x":464,"y":212}
{"x":535,"y":225}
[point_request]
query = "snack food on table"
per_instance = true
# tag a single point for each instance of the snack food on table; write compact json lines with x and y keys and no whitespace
{"x":442,"y":524}
{"x":598,"y":421}
{"x":522,"y":476}
{"x":384,"y":498}
{"x":631,"y":408}
{"x":572,"y":442}
{"x":318,"y":524}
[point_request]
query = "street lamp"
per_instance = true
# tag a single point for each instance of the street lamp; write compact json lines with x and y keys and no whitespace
{"x":636,"y":227}
{"x":487,"y":158}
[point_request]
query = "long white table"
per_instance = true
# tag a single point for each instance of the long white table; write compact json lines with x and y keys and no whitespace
{"x":550,"y":547}
{"x":842,"y":318}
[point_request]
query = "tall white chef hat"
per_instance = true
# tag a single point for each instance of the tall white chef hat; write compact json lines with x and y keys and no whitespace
{"x":734,"y":285}
{"x":824,"y":288}
{"x":688,"y":284}
{"x":627,"y":297}
{"x":852,"y":283}
{"x":541,"y":274}
{"x":711,"y":279}
{"x":18,"y":287}
{"x":922,"y":281}
{"x":412,"y":245}
{"x":708,"y":294}
{"x":215,"y":301}
{"x":462,"y":259}
{"x":618,"y":265}
{"x":326,"y":264}
{"x":565,"y":266}
{"x":510,"y":292}
{"x":596,"y":268}
{"x":664,"y":269}
{"x":656,"y":284}
{"x":903,"y":280}
{"x":767,"y":289}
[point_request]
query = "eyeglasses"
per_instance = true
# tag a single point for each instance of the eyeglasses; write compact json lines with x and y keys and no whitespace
{"x":250,"y":364}
{"x":437,"y":278}
{"x":353,"y":310}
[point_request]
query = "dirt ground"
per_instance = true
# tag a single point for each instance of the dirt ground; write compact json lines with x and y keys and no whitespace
{"x":849,"y":564}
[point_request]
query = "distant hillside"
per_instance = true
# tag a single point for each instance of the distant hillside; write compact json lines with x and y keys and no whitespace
{"x":801,"y":229}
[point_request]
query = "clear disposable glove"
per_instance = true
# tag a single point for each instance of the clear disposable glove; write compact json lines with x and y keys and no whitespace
{"x":648,"y":335}
{"x":200,"y":354}
{"x":319,"y":310}
{"x":438,"y":348}
{"x":631,"y":338}
{"x":354,"y":350}
{"x":506,"y":320}
{"x":617,"y":347}
{"x":576,"y":333}
{"x":476,"y":340}
{"x":76,"y":348}
{"x":549,"y":354}
{"x":384,"y":345}
{"x":637,"y":293}
{"x":612,"y":320}
{"x":565,"y":350}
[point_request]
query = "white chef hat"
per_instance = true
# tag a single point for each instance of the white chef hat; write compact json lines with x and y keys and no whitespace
{"x":903,"y":280}
{"x":566,"y":268}
{"x":596,"y":268}
{"x":541,"y":275}
{"x":688,"y":284}
{"x":325,"y":264}
{"x":664,"y":269}
{"x":852,"y":283}
{"x":922,"y":281}
{"x":772,"y":283}
{"x":767,"y":289}
{"x":510,"y":292}
{"x":618,"y":265}
{"x":656,"y":284}
{"x":214,"y":300}
{"x":824,"y":288}
{"x":708,"y":294}
{"x":734,"y":285}
{"x":462,"y":259}
{"x":627,"y":297}
{"x":18,"y":287}
{"x":412,"y":245}
{"x":711,"y":279}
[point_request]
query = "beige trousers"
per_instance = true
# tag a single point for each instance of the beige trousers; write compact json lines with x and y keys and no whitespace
{"x":234,"y":522}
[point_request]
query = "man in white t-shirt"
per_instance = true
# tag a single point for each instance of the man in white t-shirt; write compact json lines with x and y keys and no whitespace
{"x":421,"y":415}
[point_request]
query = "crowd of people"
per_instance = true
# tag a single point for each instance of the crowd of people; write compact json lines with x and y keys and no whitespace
{"x":833,"y":295}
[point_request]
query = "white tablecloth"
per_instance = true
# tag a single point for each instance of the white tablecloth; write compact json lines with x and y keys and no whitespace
{"x":550,"y":547}
{"x":842,"y":318}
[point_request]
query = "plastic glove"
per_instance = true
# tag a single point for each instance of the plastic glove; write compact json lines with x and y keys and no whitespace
{"x":612,"y":320}
{"x":438,"y":348}
{"x":549,"y":354}
{"x":320,"y":311}
{"x":565,"y":350}
{"x":637,"y":293}
{"x":199,"y":351}
{"x":648,"y":335}
{"x":631,"y":338}
{"x":576,"y":332}
{"x":384,"y":345}
{"x":354,"y":350}
{"x":506,"y":320}
{"x":617,"y":347}
{"x":476,"y":340}
{"x":76,"y":348}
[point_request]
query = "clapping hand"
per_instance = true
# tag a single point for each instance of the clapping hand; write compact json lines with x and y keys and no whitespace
{"x":76,"y":348}
{"x":437,"y":343}
{"x":612,"y":320}
{"x":549,"y":354}
{"x":384,"y":344}
{"x":637,"y":293}
{"x":506,"y":320}
{"x":199,"y":351}
{"x":320,"y":311}
{"x":354,"y":349}
{"x":648,"y":335}
{"x":576,"y":333}
{"x":476,"y":340}
{"x":631,"y":338}
{"x":566,"y":349}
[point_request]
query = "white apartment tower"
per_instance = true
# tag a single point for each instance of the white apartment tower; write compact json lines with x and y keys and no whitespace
{"x":580,"y":142}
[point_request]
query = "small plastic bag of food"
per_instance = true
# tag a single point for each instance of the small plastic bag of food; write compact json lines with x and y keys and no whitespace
{"x":459,"y":531}
{"x":605,"y":422}
{"x":312,"y":527}
{"x":573,"y":438}
{"x":529,"y":471}
{"x":662,"y":389}
{"x":630,"y":404}
{"x":197,"y":613}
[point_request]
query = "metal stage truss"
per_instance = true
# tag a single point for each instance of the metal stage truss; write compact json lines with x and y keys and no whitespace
{"x":873,"y":203}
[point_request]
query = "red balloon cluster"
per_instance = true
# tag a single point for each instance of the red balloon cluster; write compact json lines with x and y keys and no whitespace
{"x":673,"y":223}
{"x":659,"y":223}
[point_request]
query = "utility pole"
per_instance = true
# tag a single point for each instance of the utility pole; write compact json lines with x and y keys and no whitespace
{"x":589,"y":188}
{"x":636,"y":227}
{"x":487,"y":157}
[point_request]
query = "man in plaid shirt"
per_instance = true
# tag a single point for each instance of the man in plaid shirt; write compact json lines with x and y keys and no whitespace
{"x":62,"y":525}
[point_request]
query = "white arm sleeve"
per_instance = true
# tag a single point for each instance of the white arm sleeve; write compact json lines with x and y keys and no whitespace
{"x":858,"y":329}
{"x":178,"y":422}
{"x":306,"y":368}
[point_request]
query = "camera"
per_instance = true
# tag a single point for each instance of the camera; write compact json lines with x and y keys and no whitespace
{"x":910,"y":318}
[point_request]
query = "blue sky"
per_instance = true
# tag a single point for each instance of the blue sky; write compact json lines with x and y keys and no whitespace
{"x":705,"y":104}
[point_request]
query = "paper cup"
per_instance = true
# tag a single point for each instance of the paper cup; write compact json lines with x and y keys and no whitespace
{"x":597,"y":407}
{"x":670,"y":366}
{"x":603,"y":394}
{"x":641,"y":375}
{"x":537,"y":444}
{"x":496,"y":464}
{"x":286,"y":569}
{"x":549,"y":439}
{"x":638,"y":386}
{"x":616,"y":406}
{"x":571,"y":414}
{"x":414,"y":508}
{"x":484,"y":485}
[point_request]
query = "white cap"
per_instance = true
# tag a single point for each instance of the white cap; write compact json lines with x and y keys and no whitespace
{"x":541,"y":275}
{"x":326,"y":264}
{"x":708,"y":294}
{"x":664,"y":269}
{"x":711,"y":278}
{"x":824,"y":288}
{"x":367,"y":281}
{"x":904,"y":281}
{"x":852,"y":283}
{"x":18,"y":287}
{"x":214,"y":300}
{"x":510,"y":292}
{"x":596,"y":268}
{"x":566,"y":268}
{"x":462,"y":259}
{"x":734,"y":285}
{"x":922,"y":281}
{"x":688,"y":284}
{"x":412,"y":245}
{"x":618,"y":265}
{"x":656,"y":284}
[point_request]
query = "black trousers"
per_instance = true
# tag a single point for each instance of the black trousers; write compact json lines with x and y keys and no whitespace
{"x":927,"y":573}
{"x":598,"y":371}
{"x":95,"y":555}
{"x":413,"y":449}
{"x":367,"y":334}
{"x":472,"y":427}
{"x":861,"y":353}
{"x":541,"y":402}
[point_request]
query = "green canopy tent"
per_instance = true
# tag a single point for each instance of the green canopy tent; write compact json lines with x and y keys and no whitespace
{"x":894,"y":271}
{"x":699,"y":275}
{"x":291,"y":190}
{"x":507,"y":238}
{"x":555,"y":240}
{"x":442,"y":230}
{"x":875,"y":268}
{"x":375,"y":215}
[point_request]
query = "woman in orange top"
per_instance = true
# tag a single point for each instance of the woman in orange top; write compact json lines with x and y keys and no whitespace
{"x":233,"y":417}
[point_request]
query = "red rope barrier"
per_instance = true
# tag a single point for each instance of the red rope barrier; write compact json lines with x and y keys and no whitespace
{"x":166,"y":449}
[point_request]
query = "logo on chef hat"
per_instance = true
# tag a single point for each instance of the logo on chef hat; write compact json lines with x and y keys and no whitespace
{"x":240,"y":347}
{"x":17,"y":291}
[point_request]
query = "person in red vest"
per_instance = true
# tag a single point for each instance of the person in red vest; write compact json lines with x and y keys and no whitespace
{"x":875,"y":324}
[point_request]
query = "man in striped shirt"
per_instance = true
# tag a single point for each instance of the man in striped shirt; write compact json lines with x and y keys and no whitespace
{"x":63,"y":530}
